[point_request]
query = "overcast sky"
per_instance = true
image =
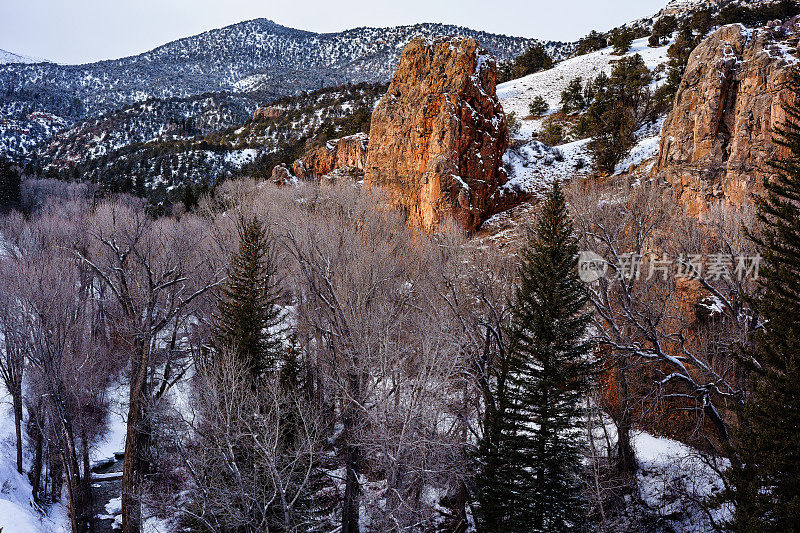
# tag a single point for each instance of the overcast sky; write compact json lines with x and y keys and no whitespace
{"x":79,"y":31}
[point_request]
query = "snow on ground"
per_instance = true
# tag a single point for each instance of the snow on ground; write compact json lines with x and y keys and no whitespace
{"x":532,"y":167}
{"x":240,"y":157}
{"x":516,"y":95}
{"x":114,"y":506}
{"x":113,"y":441}
{"x":649,"y":141}
{"x":674,"y":478}
{"x":17,"y":512}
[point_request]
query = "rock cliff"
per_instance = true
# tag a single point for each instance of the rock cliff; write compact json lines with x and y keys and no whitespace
{"x":282,"y":176}
{"x":717,"y":141}
{"x":264,"y":113}
{"x":438,"y":136}
{"x":345,"y":153}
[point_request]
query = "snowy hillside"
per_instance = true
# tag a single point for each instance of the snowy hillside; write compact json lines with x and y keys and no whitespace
{"x":21,"y":132}
{"x":531,"y":164}
{"x":148,"y":121}
{"x":17,"y":513}
{"x":156,"y":145}
{"x":257,"y":55}
{"x":255,"y":62}
{"x":516,"y":95}
{"x":10,"y":57}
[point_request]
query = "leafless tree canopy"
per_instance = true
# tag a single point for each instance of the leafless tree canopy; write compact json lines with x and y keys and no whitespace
{"x":394,"y":335}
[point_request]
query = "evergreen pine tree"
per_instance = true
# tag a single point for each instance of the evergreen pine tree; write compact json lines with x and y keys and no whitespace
{"x":249,"y":320}
{"x":765,"y":479}
{"x":189,"y":198}
{"x":10,"y":181}
{"x":530,"y":476}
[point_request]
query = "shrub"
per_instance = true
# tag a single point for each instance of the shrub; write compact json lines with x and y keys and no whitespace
{"x":621,"y":39}
{"x":662,"y":29}
{"x":538,"y":106}
{"x":753,"y":16}
{"x":622,"y":104}
{"x":552,"y":131}
{"x":512,"y":123}
{"x":591,"y":43}
{"x":533,"y":60}
{"x":572,"y":98}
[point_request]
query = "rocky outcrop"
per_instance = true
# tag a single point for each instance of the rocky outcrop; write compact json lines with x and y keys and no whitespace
{"x":680,"y":7}
{"x":264,"y":113}
{"x":438,"y":136}
{"x":349,"y":153}
{"x":718,"y":139}
{"x":281,"y":175}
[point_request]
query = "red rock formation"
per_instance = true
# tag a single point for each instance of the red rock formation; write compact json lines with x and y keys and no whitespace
{"x":438,"y":136}
{"x":267,"y":112}
{"x":345,"y":153}
{"x":717,"y":141}
{"x":281,"y":175}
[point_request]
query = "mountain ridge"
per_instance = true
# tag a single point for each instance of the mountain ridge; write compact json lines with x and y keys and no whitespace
{"x":7,"y":58}
{"x":258,"y":61}
{"x":286,"y":60}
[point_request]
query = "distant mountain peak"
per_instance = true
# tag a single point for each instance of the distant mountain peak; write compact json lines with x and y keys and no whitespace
{"x":10,"y":57}
{"x":254,"y":56}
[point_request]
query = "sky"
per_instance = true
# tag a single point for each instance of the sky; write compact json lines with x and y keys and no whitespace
{"x":81,"y":31}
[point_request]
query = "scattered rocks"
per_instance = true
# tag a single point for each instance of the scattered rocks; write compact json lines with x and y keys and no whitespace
{"x":345,"y":153}
{"x":264,"y":113}
{"x":282,"y":176}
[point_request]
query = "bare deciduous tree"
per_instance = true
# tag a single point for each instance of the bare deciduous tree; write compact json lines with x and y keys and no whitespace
{"x":648,"y":311}
{"x":155,"y":272}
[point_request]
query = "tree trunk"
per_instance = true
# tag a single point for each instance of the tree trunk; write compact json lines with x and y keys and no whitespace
{"x":352,"y":488}
{"x":626,"y":457}
{"x":352,"y":491}
{"x":78,"y":497}
{"x":35,"y":475}
{"x":86,"y":481}
{"x":131,"y":504}
{"x":17,"y":400}
{"x":56,"y":476}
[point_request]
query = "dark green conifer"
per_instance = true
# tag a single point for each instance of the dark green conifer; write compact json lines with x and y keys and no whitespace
{"x":248,"y":322}
{"x":531,"y":459}
{"x":765,"y":479}
{"x":10,"y":181}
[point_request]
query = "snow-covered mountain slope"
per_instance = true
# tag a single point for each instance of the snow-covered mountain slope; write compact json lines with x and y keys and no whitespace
{"x":10,"y":57}
{"x":516,"y":95}
{"x":256,"y":55}
{"x":153,"y":120}
{"x":17,"y":512}
{"x":173,"y":156}
{"x":532,"y":165}
{"x":683,"y":6}
{"x":21,"y":132}
{"x":258,"y":61}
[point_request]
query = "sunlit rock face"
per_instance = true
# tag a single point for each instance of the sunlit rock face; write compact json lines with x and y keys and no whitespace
{"x":718,"y":140}
{"x":438,"y":136}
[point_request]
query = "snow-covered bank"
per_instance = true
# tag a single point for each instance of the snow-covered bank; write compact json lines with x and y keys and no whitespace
{"x":18,"y":513}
